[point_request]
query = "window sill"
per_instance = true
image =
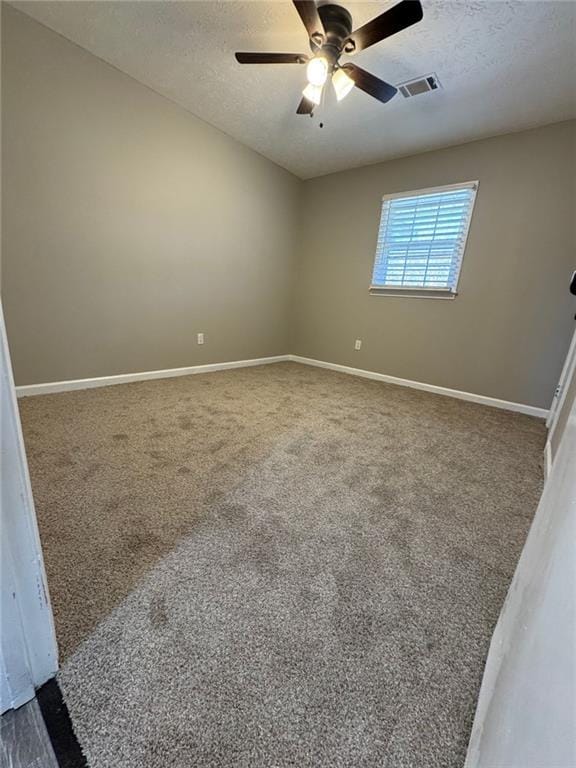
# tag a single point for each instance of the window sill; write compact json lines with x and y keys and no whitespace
{"x":413,"y":293}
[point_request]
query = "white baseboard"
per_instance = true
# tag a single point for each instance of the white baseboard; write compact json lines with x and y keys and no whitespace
{"x":505,"y":405}
{"x":547,"y":459}
{"x":125,"y":378}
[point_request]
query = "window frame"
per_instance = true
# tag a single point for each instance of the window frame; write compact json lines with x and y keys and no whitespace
{"x":425,"y":292}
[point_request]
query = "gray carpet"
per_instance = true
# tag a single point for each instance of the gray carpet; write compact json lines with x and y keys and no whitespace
{"x":318,"y":588}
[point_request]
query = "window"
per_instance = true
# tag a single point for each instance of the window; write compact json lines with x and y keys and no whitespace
{"x":421,"y":241}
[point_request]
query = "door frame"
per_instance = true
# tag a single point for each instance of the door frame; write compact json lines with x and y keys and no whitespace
{"x":568,"y":373}
{"x":28,"y":649}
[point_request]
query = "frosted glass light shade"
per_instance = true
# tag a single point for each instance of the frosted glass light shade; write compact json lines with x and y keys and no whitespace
{"x":342,"y":84}
{"x":313,"y":93}
{"x":317,"y":70}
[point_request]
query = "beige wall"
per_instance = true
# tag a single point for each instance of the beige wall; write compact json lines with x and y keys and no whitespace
{"x":507,"y":332}
{"x":129,"y":224}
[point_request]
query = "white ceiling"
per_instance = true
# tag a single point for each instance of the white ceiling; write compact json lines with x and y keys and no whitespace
{"x":504,"y":66}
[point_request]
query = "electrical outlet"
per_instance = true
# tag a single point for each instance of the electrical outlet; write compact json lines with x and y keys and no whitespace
{"x":200,"y":338}
{"x":358,"y":344}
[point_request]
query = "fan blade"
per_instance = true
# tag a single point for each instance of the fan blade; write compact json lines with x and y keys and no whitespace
{"x":271,"y":58}
{"x":308,"y":12}
{"x":306,"y":107}
{"x":370,"y":84}
{"x":396,"y":19}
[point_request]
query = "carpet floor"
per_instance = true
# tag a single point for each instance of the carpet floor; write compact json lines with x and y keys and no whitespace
{"x":277,"y":566}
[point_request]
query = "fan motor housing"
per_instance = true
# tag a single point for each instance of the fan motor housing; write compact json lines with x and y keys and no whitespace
{"x":337,"y":23}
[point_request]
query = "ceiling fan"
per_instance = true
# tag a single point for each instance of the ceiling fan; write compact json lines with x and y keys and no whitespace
{"x":330,"y":35}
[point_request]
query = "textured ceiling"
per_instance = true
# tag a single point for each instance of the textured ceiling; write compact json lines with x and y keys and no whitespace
{"x":504,"y":66}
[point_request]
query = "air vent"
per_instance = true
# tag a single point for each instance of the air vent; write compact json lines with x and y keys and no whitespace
{"x":418,"y":86}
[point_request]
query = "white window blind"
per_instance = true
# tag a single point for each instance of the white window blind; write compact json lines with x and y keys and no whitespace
{"x":422,"y":238}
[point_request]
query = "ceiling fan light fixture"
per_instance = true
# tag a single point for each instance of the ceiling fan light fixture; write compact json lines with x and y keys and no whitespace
{"x":313,"y":93}
{"x":342,"y":83}
{"x":330,"y":34}
{"x":317,"y":70}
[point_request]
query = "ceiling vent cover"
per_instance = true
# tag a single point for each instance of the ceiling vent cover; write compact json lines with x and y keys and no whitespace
{"x":418,"y":86}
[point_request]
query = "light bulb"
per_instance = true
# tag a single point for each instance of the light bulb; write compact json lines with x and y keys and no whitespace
{"x":317,"y":70}
{"x":342,"y":83}
{"x":313,"y":93}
